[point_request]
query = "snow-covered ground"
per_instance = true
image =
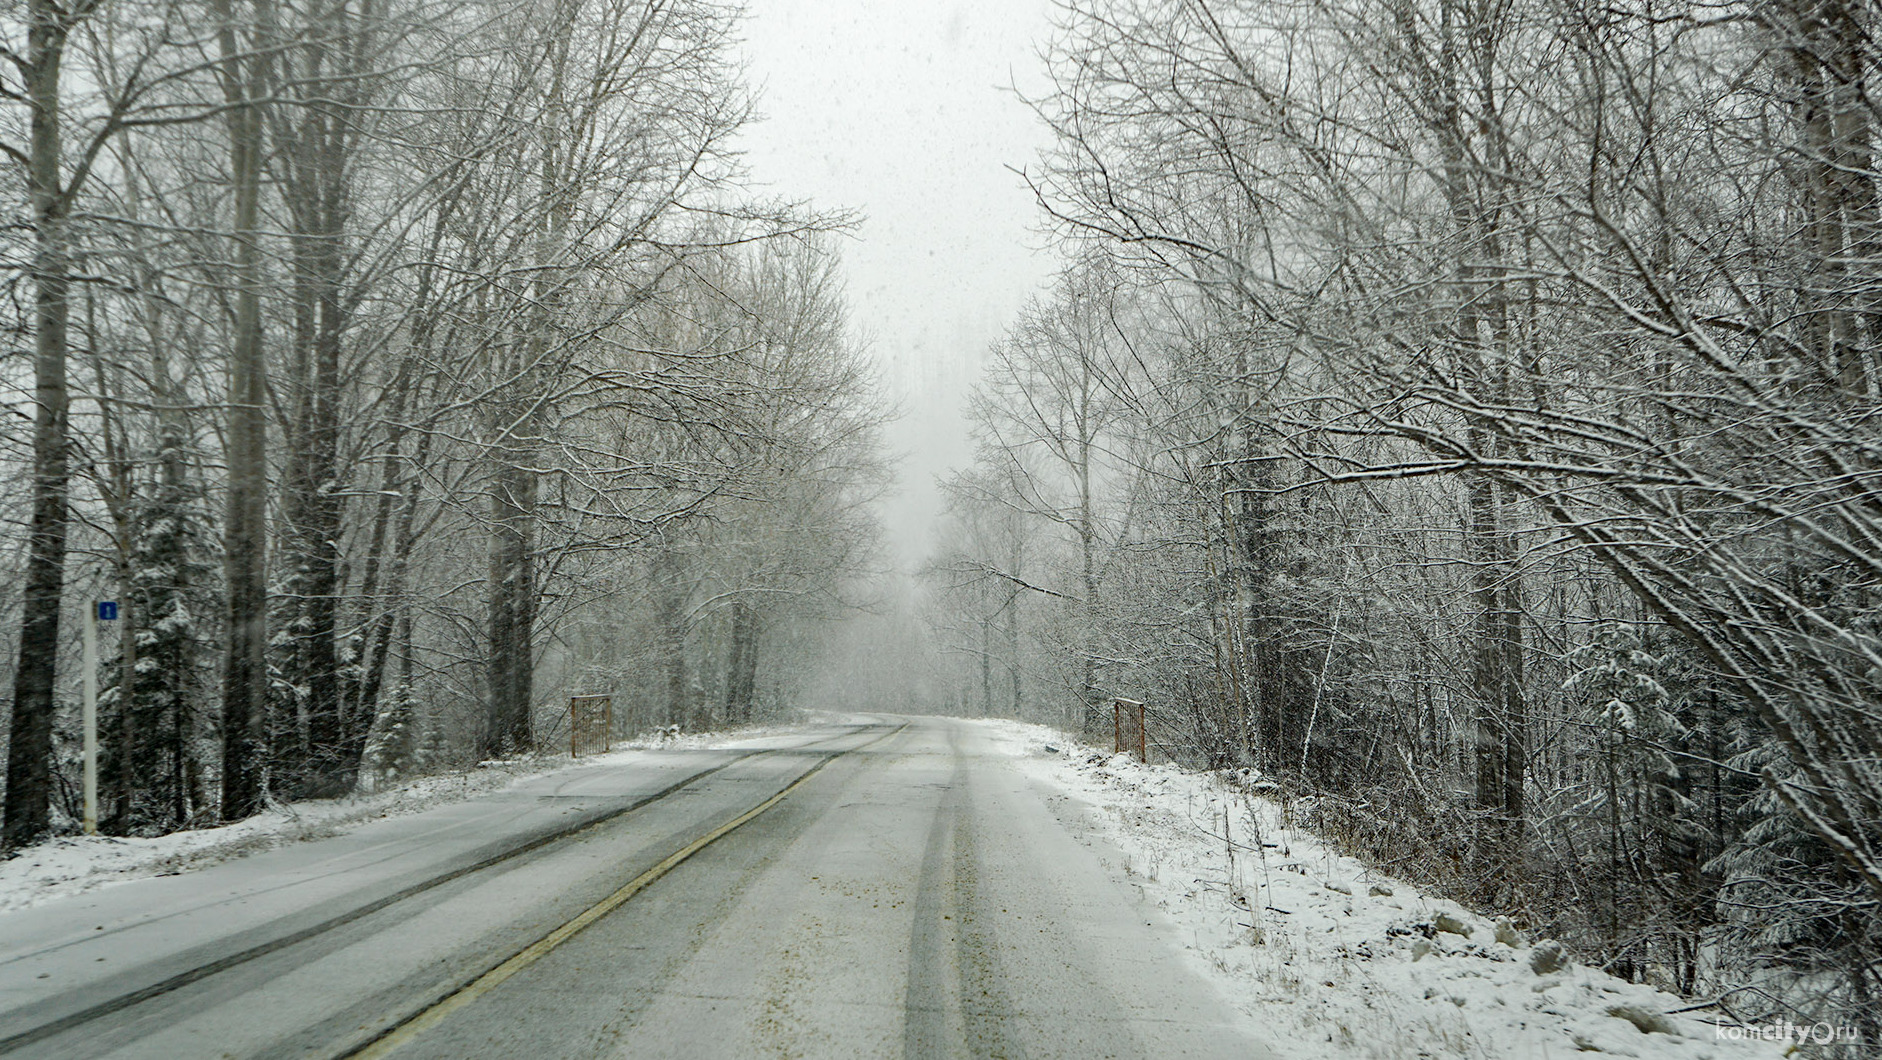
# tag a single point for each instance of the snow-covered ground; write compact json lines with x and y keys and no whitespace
{"x":75,"y":864}
{"x":1330,"y":958}
{"x":1336,"y":960}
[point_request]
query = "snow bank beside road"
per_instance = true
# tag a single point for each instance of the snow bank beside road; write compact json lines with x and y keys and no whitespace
{"x":69,"y":865}
{"x":1334,"y":959}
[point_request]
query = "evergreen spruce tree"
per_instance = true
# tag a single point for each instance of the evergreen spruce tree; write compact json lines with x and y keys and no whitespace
{"x":1650,"y":829}
{"x":392,"y":751}
{"x":162,"y":743}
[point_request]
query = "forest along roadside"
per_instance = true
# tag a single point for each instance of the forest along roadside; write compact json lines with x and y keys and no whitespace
{"x":1334,"y":959}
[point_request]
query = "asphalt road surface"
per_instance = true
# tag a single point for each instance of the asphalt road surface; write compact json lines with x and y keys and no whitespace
{"x":869,"y":887}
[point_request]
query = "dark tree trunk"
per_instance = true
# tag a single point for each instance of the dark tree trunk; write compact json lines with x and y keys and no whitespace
{"x":1487,"y":676}
{"x":379,"y":641}
{"x":1015,"y":678}
{"x":741,"y":679}
{"x":314,"y":527}
{"x":1831,"y":55}
{"x":325,"y":77}
{"x":134,"y":749}
{"x":29,"y":748}
{"x":671,"y":591}
{"x":512,"y":612}
{"x":245,"y":667}
{"x":986,"y":653}
{"x":1091,"y":711}
{"x":1463,"y":119}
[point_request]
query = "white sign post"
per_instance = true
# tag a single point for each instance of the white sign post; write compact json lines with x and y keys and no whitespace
{"x":108,"y":611}
{"x":89,"y":716}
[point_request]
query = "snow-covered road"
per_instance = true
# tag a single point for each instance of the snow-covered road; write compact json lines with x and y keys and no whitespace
{"x":913,"y":893}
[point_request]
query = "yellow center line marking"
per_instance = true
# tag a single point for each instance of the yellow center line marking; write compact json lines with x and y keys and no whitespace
{"x":483,"y":984}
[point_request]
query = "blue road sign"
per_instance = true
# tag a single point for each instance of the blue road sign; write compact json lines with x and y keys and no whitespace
{"x":107,"y":610}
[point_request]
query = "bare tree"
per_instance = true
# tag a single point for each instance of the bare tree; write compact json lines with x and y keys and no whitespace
{"x":54,"y":181}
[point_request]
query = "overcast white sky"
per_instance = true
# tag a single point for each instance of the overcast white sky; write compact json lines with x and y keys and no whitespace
{"x":902,"y":113}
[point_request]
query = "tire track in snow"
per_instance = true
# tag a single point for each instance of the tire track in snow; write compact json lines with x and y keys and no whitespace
{"x":32,"y":1035}
{"x":956,"y":987}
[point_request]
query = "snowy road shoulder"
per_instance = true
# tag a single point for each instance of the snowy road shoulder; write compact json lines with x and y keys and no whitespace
{"x":70,"y":865}
{"x":1335,"y":960}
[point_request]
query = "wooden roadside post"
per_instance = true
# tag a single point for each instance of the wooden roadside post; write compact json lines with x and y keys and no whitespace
{"x":1120,"y":709}
{"x":591,"y":721}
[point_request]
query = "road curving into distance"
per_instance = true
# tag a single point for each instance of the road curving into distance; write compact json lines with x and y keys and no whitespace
{"x":870,"y":887}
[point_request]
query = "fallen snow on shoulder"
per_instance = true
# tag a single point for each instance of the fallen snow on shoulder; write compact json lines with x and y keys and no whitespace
{"x":1337,"y":960}
{"x":69,"y":865}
